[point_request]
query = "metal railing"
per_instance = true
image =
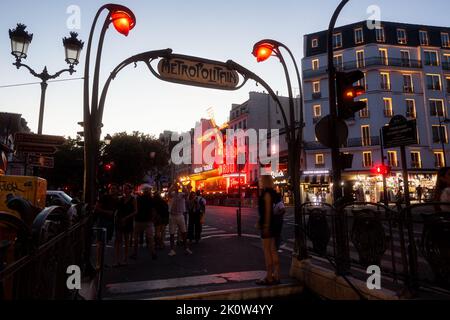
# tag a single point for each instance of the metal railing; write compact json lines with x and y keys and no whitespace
{"x":409,"y":245}
{"x":368,"y":62}
{"x":34,"y":260}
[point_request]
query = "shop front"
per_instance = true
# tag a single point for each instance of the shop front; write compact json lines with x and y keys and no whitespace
{"x":316,"y":186}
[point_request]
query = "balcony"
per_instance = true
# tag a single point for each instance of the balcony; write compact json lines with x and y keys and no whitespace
{"x":358,"y":142}
{"x":369,"y":62}
{"x":393,"y":164}
{"x":317,"y":95}
{"x":367,"y":164}
{"x":316,"y":119}
{"x":388,"y":113}
{"x":433,"y":87}
{"x":320,"y":165}
{"x":416,"y":164}
{"x":408,"y":89}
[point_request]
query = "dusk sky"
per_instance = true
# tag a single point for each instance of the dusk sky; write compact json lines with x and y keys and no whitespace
{"x":218,"y":30}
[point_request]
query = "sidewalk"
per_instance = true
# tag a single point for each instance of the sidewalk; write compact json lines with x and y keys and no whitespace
{"x":219,"y":267}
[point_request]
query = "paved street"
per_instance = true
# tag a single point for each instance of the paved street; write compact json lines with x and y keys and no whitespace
{"x":221,"y":261}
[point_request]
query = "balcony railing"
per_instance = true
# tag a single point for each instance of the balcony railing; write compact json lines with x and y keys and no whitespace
{"x":388,"y":113}
{"x":446,"y":65}
{"x":411,"y":114}
{"x":408,"y":89}
{"x":358,"y":142}
{"x":317,"y":95}
{"x":369,"y":62}
{"x":416,"y":164}
{"x":385,"y":86}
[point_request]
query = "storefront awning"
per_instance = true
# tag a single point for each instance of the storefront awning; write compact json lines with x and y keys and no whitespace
{"x":319,"y":179}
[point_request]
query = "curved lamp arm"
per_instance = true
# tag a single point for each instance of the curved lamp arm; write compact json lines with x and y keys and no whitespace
{"x":142,"y":57}
{"x":250,"y":75}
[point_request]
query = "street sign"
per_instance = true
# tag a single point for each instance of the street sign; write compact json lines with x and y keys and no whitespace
{"x":322,"y":130}
{"x":400,"y":132}
{"x":195,"y":71}
{"x":41,"y":139}
{"x":41,"y":161}
{"x":30,"y":148}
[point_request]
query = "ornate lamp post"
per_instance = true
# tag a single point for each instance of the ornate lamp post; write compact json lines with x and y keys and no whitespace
{"x":123,"y":20}
{"x":263,"y":50}
{"x":20,"y":42}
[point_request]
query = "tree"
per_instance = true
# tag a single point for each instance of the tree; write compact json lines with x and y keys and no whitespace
{"x":67,"y":173}
{"x":130,"y":156}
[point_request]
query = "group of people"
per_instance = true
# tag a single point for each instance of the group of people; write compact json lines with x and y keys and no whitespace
{"x":130,"y":217}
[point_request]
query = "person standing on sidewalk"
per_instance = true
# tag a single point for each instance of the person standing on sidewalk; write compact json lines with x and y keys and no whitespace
{"x":176,"y":218}
{"x":161,"y":220}
{"x":269,"y":231}
{"x":104,"y":212}
{"x":197,"y":211}
{"x":143,"y":221}
{"x":126,"y":210}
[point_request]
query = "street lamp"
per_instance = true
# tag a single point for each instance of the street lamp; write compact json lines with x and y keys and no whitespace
{"x":123,"y":20}
{"x":441,"y":138}
{"x":20,"y":42}
{"x":263,"y":50}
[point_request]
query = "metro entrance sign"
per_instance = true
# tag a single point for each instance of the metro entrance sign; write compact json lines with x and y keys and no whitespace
{"x":197,"y":71}
{"x":37,"y":143}
{"x":400,"y":132}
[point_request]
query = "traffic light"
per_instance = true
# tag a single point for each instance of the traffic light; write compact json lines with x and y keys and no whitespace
{"x":381,"y":169}
{"x":108,"y":167}
{"x":347,"y":92}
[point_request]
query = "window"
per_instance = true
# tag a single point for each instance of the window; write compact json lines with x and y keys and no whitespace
{"x":434,"y":82}
{"x":388,"y":107}
{"x":439,"y":159}
{"x":360,"y":59}
{"x":411,"y":108}
{"x":379,"y":34}
{"x":364,"y":113}
{"x":436,"y":108}
{"x":315,"y":64}
{"x":445,"y":40}
{"x":362,"y":82}
{"x":385,"y":81}
{"x":401,"y":36}
{"x":317,"y":111}
{"x":392,"y":158}
{"x":447,"y":80}
{"x":423,"y":38}
{"x":316,"y":86}
{"x":337,"y":40}
{"x":315,"y":43}
{"x":367,"y":159}
{"x":431,"y":58}
{"x":384,"y":56}
{"x":405,"y":58}
{"x":415,"y":159}
{"x":446,"y":62}
{"x":365,"y":135}
{"x":359,"y":35}
{"x":439,"y":134}
{"x":408,"y":83}
{"x":339,"y":62}
{"x":320,"y":160}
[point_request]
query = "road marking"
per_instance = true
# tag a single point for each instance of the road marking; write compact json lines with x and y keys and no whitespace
{"x":152,"y":285}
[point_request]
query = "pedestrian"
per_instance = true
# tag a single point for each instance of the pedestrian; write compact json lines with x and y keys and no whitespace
{"x":269,"y":231}
{"x":176,"y":218}
{"x":196,"y":217}
{"x":104,"y":212}
{"x":161,"y":220}
{"x":419,"y":192}
{"x":143,"y":221}
{"x":126,"y":210}
{"x":278,"y":213}
{"x":442,"y":189}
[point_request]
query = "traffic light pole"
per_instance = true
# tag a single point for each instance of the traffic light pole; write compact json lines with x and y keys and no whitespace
{"x":342,"y":255}
{"x":385,"y":194}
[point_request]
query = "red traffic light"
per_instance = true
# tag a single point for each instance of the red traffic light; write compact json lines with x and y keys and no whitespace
{"x":263,"y":51}
{"x":381,"y":169}
{"x":108,"y":167}
{"x":123,"y":21}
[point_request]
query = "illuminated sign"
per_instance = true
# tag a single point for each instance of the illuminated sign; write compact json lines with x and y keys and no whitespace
{"x":311,"y":173}
{"x":207,"y":167}
{"x":279,"y":174}
{"x":198,"y":72}
{"x":227,"y":169}
{"x":235,"y":181}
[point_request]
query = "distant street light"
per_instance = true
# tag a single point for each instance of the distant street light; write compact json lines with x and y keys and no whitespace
{"x":20,"y":42}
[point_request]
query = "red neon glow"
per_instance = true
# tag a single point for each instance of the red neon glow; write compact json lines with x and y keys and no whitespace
{"x":381,"y":169}
{"x":263,"y":52}
{"x":123,"y":22}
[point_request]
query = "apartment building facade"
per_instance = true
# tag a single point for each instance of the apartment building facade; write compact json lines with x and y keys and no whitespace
{"x":407,"y":72}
